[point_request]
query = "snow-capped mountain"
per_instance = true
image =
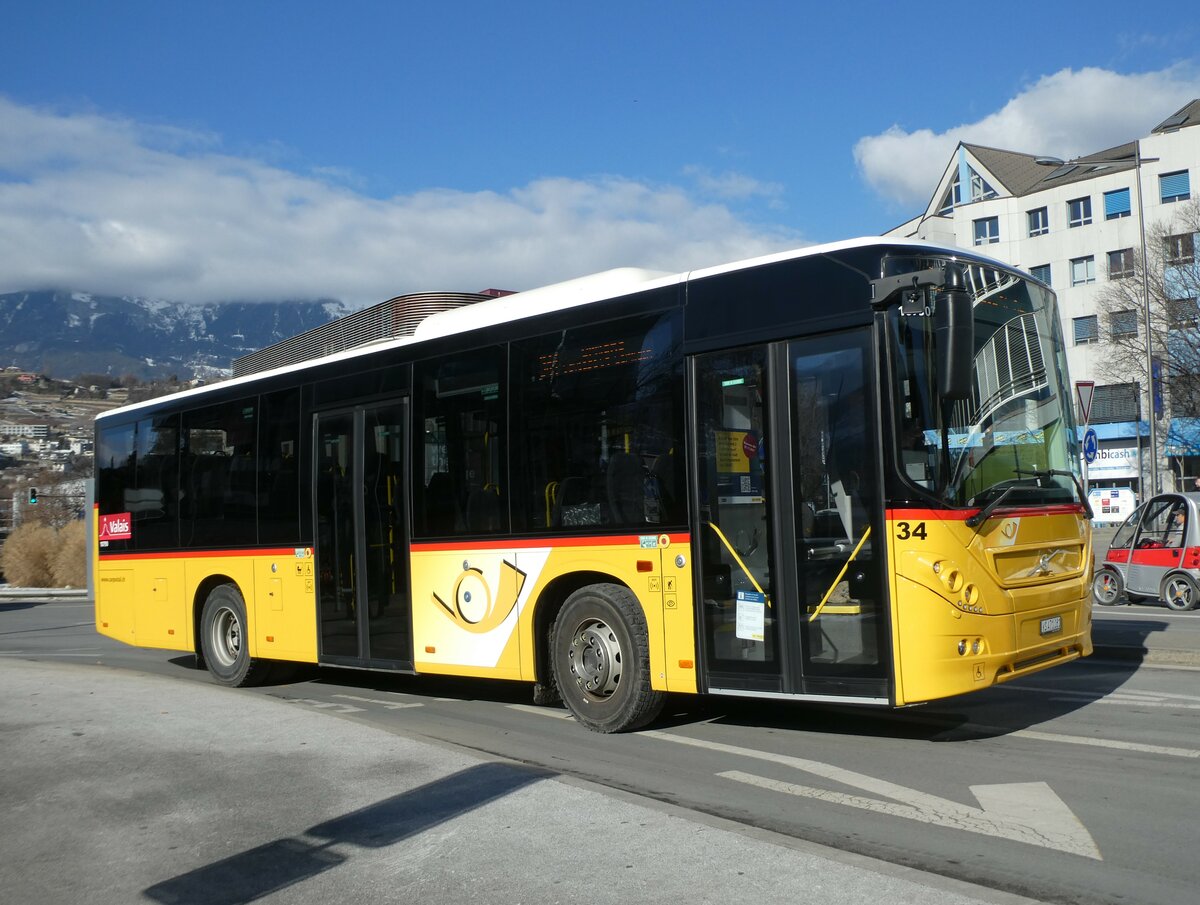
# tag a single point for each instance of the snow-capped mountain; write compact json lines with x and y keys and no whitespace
{"x":64,"y":334}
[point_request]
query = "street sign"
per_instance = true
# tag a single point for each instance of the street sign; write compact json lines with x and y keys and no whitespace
{"x":1083,"y":392}
{"x":1091,"y":446}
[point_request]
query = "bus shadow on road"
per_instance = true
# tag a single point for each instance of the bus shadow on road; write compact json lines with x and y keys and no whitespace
{"x":1001,"y":709}
{"x":282,"y":863}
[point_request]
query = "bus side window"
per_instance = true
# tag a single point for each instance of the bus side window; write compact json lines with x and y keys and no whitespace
{"x":459,"y":461}
{"x":597,"y":426}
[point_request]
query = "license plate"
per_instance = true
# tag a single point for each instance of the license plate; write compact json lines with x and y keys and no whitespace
{"x":1051,"y":624}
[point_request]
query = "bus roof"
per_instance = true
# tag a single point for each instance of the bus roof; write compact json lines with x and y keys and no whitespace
{"x":584,"y":290}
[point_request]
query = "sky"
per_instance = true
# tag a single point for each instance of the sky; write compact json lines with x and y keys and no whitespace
{"x":253,"y":151}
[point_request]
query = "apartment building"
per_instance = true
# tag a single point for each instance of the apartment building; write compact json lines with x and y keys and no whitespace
{"x":1076,"y":225}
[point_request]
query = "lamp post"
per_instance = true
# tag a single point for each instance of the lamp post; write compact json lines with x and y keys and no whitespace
{"x":1138,"y":160}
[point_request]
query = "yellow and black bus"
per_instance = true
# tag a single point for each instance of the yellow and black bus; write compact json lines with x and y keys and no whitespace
{"x":847,"y":473}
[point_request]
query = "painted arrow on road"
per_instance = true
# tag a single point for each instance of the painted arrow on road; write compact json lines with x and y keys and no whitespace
{"x":1028,"y":812}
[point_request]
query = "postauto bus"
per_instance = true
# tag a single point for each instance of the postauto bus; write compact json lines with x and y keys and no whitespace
{"x":845,"y":473}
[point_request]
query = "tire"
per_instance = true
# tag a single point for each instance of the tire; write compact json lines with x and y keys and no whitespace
{"x":223,"y":640}
{"x":1108,"y":588}
{"x":600,"y":657}
{"x":1179,"y":592}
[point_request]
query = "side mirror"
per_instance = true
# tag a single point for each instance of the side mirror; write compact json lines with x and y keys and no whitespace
{"x":954,"y":330}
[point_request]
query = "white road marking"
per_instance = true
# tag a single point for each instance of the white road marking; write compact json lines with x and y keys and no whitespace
{"x":1028,"y":812}
{"x":1105,"y":743}
{"x":1130,"y":697}
{"x":390,"y":705}
{"x":324,"y":705}
{"x":541,"y":711}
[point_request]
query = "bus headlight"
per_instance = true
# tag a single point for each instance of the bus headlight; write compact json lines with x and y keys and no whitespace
{"x":962,"y":647}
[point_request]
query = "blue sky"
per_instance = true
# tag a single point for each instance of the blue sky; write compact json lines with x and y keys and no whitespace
{"x":360,"y":150}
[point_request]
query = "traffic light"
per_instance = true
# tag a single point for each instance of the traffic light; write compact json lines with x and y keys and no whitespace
{"x":33,"y":498}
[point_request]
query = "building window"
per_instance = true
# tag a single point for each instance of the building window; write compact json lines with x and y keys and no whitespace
{"x":1174,"y":187}
{"x":1120,"y":263}
{"x":952,"y":198}
{"x":1183,"y":312}
{"x":1039,"y":222}
{"x":1122,"y":324}
{"x":1087,"y":330}
{"x":1041,"y":272}
{"x":987,"y":231}
{"x":980,"y":190}
{"x":1079,"y":211}
{"x":1083,"y":270}
{"x":1116,"y":204}
{"x":1180,"y":249}
{"x":1115,"y":402}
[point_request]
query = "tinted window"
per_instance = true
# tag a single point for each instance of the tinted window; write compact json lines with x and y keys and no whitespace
{"x":153,"y":500}
{"x":598,"y":426}
{"x":218,"y":476}
{"x":458,"y":461}
{"x":278,"y":469}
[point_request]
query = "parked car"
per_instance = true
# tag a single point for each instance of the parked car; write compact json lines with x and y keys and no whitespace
{"x":1155,"y":554}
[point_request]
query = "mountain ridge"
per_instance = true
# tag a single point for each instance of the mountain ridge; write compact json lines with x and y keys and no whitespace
{"x":65,"y":333}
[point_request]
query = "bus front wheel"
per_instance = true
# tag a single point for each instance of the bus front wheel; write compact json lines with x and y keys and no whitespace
{"x":601,"y":658}
{"x":223,"y":639}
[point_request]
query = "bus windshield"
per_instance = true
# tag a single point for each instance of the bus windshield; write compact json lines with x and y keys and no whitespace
{"x":1015,"y":434}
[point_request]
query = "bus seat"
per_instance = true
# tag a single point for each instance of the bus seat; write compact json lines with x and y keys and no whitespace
{"x":483,"y":511}
{"x":441,"y":510}
{"x":626,"y":489}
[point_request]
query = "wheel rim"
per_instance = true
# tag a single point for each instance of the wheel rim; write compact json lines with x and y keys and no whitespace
{"x":1106,"y":588}
{"x":1179,"y":594}
{"x":595,"y":659}
{"x":225,"y":636}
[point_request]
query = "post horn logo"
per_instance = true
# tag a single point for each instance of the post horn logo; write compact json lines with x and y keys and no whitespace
{"x":474,"y":607}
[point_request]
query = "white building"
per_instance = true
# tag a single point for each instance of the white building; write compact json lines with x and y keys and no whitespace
{"x":1075,"y":226}
{"x":11,"y":429}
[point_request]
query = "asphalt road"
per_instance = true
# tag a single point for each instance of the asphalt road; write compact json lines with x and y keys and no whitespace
{"x":1076,"y":785}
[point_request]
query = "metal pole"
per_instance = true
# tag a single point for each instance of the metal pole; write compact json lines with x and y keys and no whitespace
{"x":1137,"y":173}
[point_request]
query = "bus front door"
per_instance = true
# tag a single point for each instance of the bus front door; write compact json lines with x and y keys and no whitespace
{"x":786,"y":464}
{"x":362,"y":549}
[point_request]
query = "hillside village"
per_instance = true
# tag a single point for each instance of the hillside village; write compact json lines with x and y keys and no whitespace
{"x":46,"y":439}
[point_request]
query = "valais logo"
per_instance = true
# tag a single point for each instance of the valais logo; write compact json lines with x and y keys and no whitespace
{"x":116,"y":527}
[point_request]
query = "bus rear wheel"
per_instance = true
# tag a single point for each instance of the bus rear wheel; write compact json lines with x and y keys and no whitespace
{"x":224,"y":641}
{"x":600,"y":654}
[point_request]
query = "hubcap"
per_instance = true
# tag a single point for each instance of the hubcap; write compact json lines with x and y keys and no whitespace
{"x":226,"y":636}
{"x":1179,"y":594}
{"x":1106,"y":587}
{"x":595,"y":658}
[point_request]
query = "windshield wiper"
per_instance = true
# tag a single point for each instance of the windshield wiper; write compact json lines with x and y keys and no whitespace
{"x":1050,"y":472}
{"x":1034,"y":475}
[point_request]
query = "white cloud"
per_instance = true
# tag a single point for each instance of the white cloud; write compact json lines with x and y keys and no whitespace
{"x":1068,"y":113}
{"x":109,"y":205}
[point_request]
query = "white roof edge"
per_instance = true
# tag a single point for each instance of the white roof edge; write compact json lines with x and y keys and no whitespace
{"x":829,"y":248}
{"x":583,"y":290}
{"x":596,"y":287}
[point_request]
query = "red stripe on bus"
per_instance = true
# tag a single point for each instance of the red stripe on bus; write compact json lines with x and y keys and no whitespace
{"x":198,"y":554}
{"x":631,"y":540}
{"x":960,"y":515}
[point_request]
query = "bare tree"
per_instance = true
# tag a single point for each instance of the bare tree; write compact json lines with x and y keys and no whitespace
{"x":1172,"y":281}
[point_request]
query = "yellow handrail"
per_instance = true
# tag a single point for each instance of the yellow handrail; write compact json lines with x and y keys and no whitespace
{"x":738,"y":560}
{"x":829,"y":593}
